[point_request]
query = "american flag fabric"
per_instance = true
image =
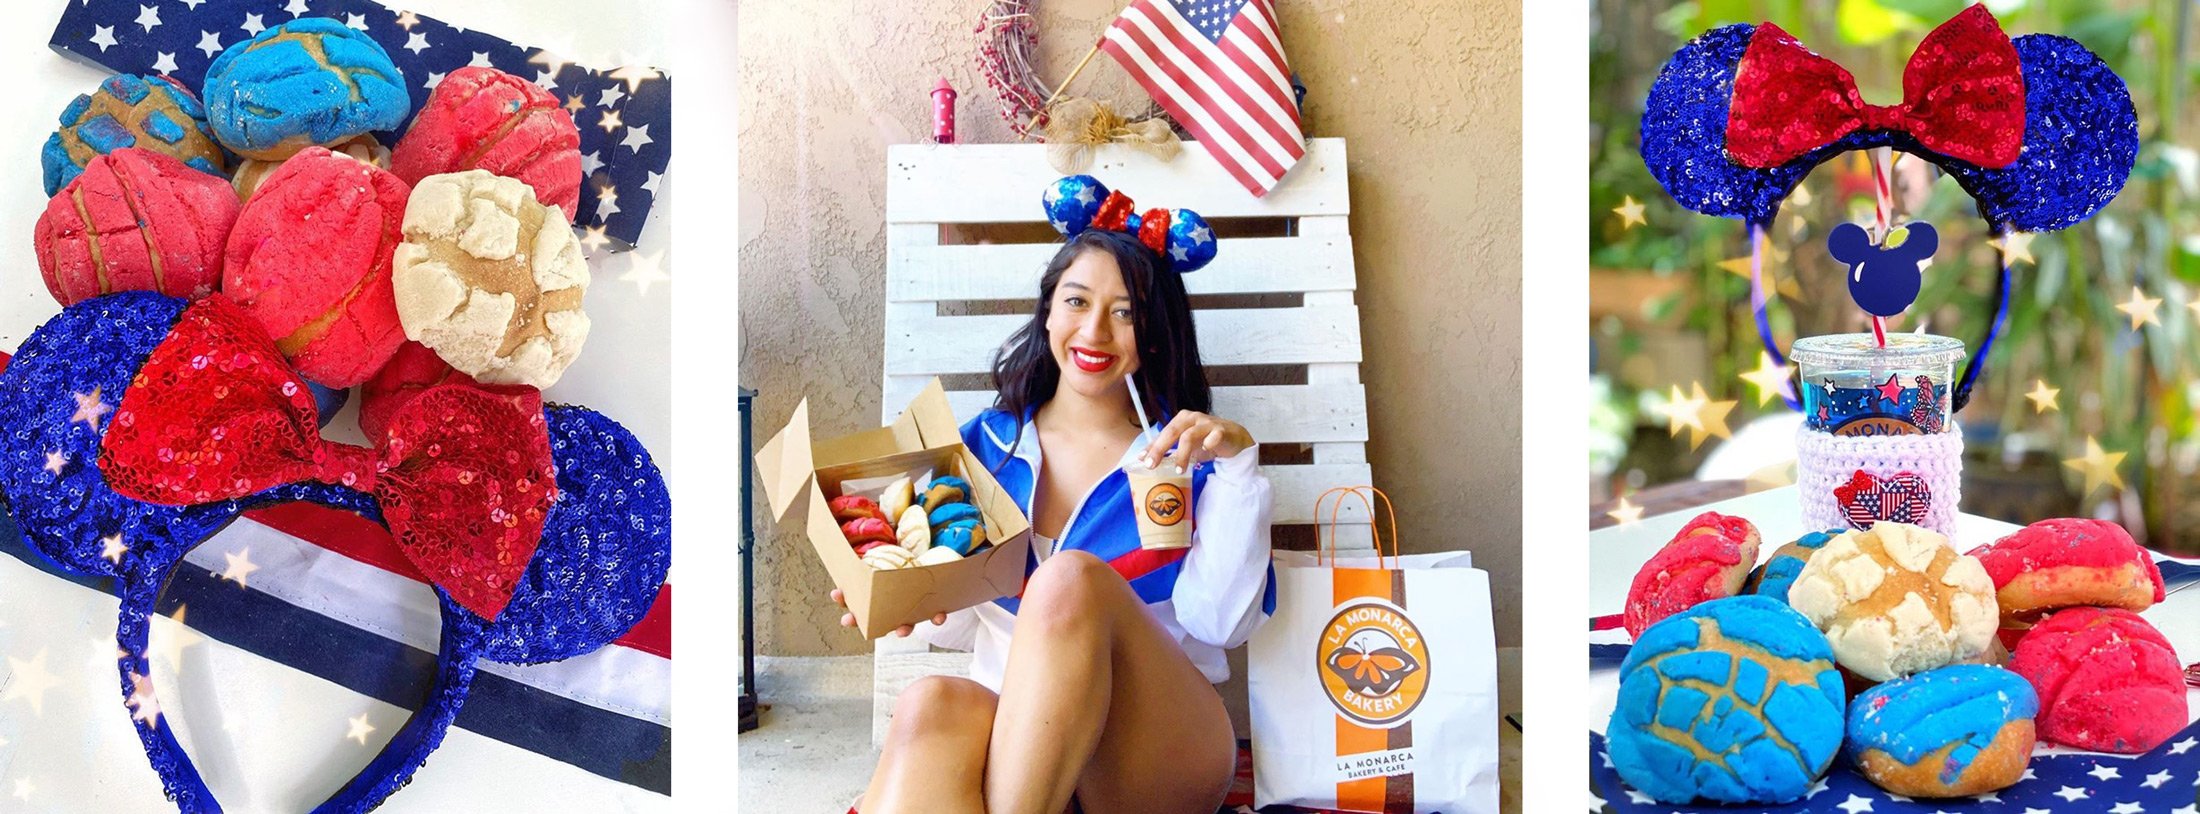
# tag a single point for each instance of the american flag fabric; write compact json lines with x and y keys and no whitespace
{"x":1218,"y":67}
{"x":624,"y":114}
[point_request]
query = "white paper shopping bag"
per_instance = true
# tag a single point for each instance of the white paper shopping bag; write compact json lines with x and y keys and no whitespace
{"x":1374,"y":689}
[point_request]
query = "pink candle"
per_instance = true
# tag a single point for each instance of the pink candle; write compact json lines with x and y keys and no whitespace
{"x":943,"y":113}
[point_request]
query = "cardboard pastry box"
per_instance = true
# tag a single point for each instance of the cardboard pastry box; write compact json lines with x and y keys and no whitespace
{"x":924,"y":438}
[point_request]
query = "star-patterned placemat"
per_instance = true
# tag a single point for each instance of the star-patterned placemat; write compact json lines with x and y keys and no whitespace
{"x":2164,"y":781}
{"x":624,"y":114}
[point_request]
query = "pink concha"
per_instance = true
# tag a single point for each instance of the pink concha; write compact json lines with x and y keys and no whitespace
{"x":486,"y":119}
{"x":135,"y":220}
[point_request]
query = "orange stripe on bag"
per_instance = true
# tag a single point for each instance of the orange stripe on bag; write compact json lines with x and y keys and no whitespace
{"x":1382,"y":793}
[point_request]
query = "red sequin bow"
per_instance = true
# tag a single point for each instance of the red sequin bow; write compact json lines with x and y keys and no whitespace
{"x":1962,"y":96}
{"x":1153,"y":226}
{"x":464,"y":481}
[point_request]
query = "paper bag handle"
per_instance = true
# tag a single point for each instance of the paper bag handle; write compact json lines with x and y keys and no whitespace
{"x":1331,"y":525}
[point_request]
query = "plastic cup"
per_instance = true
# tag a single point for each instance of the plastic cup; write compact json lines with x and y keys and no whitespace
{"x":1853,"y":387}
{"x":1162,"y":499}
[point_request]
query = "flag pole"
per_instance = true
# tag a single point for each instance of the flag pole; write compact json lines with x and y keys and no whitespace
{"x":1057,"y":94}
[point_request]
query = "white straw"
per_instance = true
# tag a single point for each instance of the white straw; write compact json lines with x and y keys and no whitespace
{"x":1145,"y":426}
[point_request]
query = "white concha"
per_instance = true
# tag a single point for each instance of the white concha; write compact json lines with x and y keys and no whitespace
{"x":914,"y":533}
{"x":938,"y":555}
{"x":1895,"y":600}
{"x":491,"y":279}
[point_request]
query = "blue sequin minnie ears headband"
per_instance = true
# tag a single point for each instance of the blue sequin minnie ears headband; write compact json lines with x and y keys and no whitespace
{"x":1079,"y":202}
{"x":602,"y":552}
{"x":2038,"y":129}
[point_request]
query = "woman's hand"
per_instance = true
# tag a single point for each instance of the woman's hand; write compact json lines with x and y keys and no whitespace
{"x":1198,"y":438}
{"x":849,"y":619}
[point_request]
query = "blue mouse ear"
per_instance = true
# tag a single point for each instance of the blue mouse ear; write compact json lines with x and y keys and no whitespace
{"x":56,"y":396}
{"x":604,"y":550}
{"x":1072,"y":202}
{"x":1922,"y":241}
{"x":1191,"y":244}
{"x":2081,"y":135}
{"x":1849,"y":243}
{"x":1684,"y":124}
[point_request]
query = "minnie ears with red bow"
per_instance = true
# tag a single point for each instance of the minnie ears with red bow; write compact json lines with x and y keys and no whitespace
{"x":1079,"y":202}
{"x":2038,"y":129}
{"x":140,"y":425}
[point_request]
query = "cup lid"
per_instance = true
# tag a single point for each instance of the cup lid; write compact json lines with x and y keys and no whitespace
{"x":1862,"y":350}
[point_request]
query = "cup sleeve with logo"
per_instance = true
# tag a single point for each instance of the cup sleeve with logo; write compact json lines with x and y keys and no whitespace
{"x":1220,"y":596}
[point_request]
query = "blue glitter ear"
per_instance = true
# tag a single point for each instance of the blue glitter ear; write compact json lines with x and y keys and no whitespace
{"x":49,"y":464}
{"x":1684,"y":133}
{"x":604,"y":549}
{"x":2081,"y":135}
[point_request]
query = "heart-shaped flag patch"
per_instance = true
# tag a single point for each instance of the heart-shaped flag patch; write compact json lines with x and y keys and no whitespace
{"x":1866,"y":499}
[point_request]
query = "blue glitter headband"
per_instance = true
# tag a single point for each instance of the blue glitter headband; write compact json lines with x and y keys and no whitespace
{"x":2081,"y":136}
{"x":604,"y":550}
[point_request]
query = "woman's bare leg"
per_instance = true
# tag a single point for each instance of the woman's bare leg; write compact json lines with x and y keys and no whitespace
{"x":1099,"y":702}
{"x":934,"y":756}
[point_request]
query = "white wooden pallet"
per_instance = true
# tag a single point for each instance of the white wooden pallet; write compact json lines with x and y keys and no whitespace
{"x":929,"y":186}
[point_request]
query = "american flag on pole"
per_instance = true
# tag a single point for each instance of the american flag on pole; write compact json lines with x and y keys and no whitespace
{"x":1217,"y":66}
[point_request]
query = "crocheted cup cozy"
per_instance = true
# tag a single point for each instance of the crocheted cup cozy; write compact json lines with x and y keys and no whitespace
{"x":1854,"y":481}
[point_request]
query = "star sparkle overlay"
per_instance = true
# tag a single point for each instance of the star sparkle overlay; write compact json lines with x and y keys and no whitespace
{"x":624,"y":114}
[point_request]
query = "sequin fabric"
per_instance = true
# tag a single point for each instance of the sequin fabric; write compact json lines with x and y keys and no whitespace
{"x":1962,"y":96}
{"x":54,"y":488}
{"x":2081,"y":135}
{"x":603,"y":553}
{"x":602,"y":557}
{"x":462,"y":479}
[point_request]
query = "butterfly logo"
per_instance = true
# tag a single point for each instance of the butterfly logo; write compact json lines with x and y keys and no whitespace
{"x":1165,"y":504}
{"x":1372,"y":664}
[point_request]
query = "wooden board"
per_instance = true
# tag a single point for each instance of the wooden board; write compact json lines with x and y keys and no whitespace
{"x":1010,"y":271}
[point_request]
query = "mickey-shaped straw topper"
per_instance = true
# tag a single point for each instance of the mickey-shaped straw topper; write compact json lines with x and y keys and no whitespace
{"x":1884,"y":279}
{"x":141,"y":425}
{"x":1079,"y":202}
{"x":2037,"y":129}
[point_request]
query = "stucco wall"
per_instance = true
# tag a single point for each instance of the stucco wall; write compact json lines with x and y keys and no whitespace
{"x":1426,"y":92}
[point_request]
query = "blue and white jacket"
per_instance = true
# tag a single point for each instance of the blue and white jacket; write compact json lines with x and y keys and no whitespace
{"x":1208,"y":597}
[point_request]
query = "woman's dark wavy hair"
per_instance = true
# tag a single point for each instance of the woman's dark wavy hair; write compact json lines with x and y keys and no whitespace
{"x":1170,"y":376}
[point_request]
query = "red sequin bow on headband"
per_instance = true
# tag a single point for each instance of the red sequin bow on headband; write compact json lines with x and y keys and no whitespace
{"x":463,"y":480}
{"x":1962,"y":96}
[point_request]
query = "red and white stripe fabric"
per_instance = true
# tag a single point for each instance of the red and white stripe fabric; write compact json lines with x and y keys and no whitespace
{"x":1218,"y":67}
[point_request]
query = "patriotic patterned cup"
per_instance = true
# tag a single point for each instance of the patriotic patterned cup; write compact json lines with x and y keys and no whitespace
{"x":1878,"y":441}
{"x":1853,"y":387}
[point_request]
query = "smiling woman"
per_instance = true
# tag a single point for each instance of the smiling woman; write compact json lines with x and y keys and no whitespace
{"x":1122,"y":629}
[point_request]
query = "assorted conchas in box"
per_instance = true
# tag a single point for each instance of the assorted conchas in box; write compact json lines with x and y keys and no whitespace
{"x":906,"y":520}
{"x":212,"y":325}
{"x":1876,"y":648}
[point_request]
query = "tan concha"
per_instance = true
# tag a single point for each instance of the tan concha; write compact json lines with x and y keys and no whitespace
{"x":1897,"y":599}
{"x":491,"y":279}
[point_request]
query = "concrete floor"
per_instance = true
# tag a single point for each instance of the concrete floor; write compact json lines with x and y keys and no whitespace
{"x":812,"y":750}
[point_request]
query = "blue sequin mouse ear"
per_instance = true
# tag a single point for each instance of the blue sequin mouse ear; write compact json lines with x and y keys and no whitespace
{"x":1181,"y":237}
{"x":56,"y":397}
{"x":604,"y":552}
{"x":2079,"y":140}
